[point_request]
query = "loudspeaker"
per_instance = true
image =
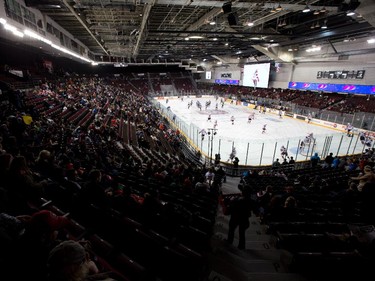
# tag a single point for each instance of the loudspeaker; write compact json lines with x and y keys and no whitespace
{"x":227,"y":7}
{"x":232,"y":19}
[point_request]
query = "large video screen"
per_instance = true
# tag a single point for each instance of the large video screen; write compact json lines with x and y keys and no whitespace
{"x":334,"y":88}
{"x":256,"y":75}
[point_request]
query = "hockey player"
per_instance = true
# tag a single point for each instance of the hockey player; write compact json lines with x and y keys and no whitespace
{"x":264,"y":128}
{"x":203,"y":132}
{"x":349,"y":129}
{"x":249,"y":118}
{"x":309,"y":117}
{"x":284,"y":152}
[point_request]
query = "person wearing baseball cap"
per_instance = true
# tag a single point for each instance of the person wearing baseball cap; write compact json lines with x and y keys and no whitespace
{"x":66,"y":261}
{"x":70,"y":261}
{"x":32,"y":249}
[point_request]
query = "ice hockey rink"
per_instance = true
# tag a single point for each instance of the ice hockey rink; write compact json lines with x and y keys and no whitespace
{"x":252,"y":146}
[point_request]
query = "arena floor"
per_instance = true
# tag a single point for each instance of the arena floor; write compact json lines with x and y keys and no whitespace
{"x":253,"y":147}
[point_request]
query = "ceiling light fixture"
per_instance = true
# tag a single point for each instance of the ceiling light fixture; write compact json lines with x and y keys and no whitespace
{"x":279,"y":8}
{"x":313,"y":49}
{"x":350,"y":13}
{"x":371,"y":41}
{"x":195,"y":37}
{"x":306,"y":9}
{"x":323,"y":10}
{"x":324,"y":26}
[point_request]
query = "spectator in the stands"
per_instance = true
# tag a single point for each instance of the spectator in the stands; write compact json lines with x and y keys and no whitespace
{"x":5,"y":160}
{"x":220,"y":175}
{"x":11,"y":229}
{"x":124,"y":201}
{"x":276,"y":163}
{"x":328,"y":161}
{"x":70,"y":261}
{"x":367,"y":177}
{"x":93,"y":192}
{"x":292,"y":161}
{"x":274,"y":209}
{"x":343,"y":162}
{"x":209,"y":176}
{"x":152,"y":207}
{"x":44,"y":164}
{"x":314,"y":160}
{"x":335,"y":162}
{"x":352,"y":165}
{"x":22,"y":186}
{"x":290,"y":211}
{"x":240,"y":212}
{"x":201,"y":185}
{"x":41,"y":235}
{"x":263,"y":200}
{"x":349,"y":198}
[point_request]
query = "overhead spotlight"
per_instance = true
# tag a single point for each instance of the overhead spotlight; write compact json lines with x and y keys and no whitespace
{"x":350,"y":13}
{"x":250,"y":23}
{"x":346,"y":39}
{"x":279,"y":8}
{"x":323,"y":10}
{"x":306,"y":9}
{"x":316,"y":12}
{"x":324,"y":26}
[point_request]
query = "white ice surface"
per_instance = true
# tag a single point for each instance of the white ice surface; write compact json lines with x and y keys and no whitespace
{"x":248,"y":139}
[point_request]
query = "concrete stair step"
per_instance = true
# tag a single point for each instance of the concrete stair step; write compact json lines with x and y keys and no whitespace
{"x":248,"y":262}
{"x":275,"y":277}
{"x":222,"y":233}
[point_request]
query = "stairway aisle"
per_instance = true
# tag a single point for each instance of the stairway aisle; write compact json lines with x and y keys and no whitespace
{"x":260,"y":261}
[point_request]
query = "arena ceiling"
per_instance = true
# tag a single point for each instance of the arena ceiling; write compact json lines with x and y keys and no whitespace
{"x":174,"y":30}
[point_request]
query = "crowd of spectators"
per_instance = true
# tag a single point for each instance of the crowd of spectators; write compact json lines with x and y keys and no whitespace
{"x":46,"y":151}
{"x":342,"y":103}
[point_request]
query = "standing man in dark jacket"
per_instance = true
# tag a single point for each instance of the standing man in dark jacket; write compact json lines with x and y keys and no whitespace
{"x":240,"y":212}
